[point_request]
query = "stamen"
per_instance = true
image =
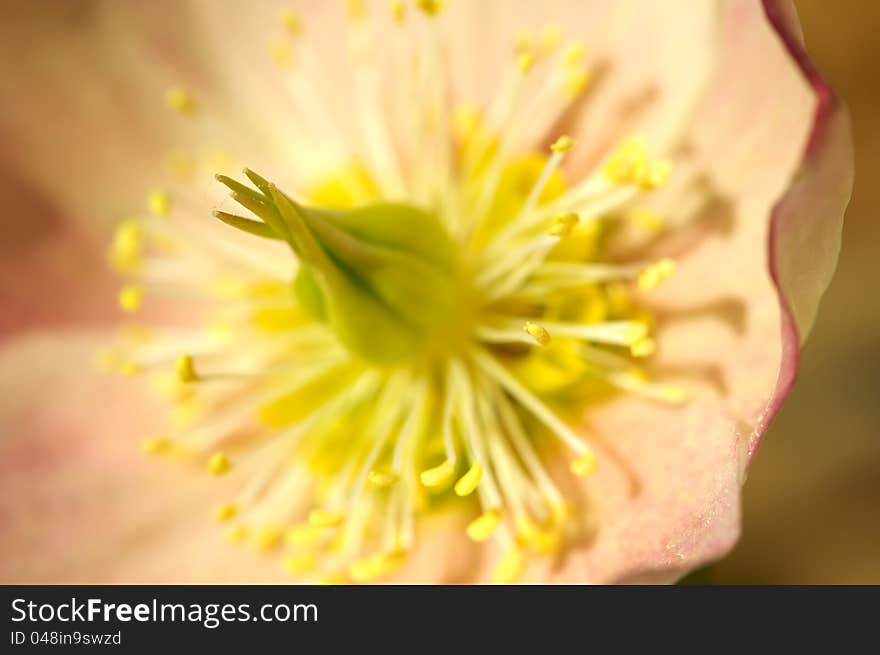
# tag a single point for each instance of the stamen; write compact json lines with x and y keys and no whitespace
{"x":219,"y":463}
{"x":498,"y":373}
{"x":585,"y":465}
{"x":655,"y":274}
{"x":300,"y":564}
{"x":159,"y":203}
{"x":561,"y":146}
{"x":325,"y":518}
{"x":180,"y":100}
{"x":356,"y":10}
{"x":563,"y":224}
{"x":630,"y":164}
{"x":131,"y":298}
{"x":156,"y":445}
{"x":525,"y":62}
{"x":398,"y":11}
{"x":304,"y":535}
{"x":430,"y":7}
{"x":644,"y":347}
{"x":290,"y":21}
{"x":226,"y":511}
{"x":185,"y":368}
{"x":574,"y":53}
{"x":467,"y":484}
{"x":382,"y":479}
{"x":510,"y":567}
{"x":482,"y":527}
{"x":537,"y":332}
{"x":439,"y":476}
{"x":618,"y":333}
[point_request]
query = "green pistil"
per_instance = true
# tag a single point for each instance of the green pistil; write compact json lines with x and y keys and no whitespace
{"x":385,"y":277}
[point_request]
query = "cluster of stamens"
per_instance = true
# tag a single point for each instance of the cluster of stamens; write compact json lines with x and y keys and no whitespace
{"x":337,"y":448}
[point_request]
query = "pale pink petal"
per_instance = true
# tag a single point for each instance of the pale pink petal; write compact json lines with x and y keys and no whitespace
{"x":51,"y":271}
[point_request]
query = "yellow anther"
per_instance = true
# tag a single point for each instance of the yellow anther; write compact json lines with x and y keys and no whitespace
{"x":290,"y":21}
{"x":539,"y":539}
{"x":672,"y":394}
{"x":576,"y":82}
{"x":159,"y":203}
{"x":304,"y":535}
{"x":430,"y":7}
{"x":563,"y":225}
{"x":372,"y":567}
{"x":326,"y":518}
{"x":536,"y":332}
{"x":398,"y":11}
{"x":629,"y":163}
{"x":574,"y":53}
{"x":219,"y":463}
{"x":469,"y":481}
{"x":382,"y":479}
{"x":130,"y":298}
{"x":178,"y":99}
{"x":226,"y":511}
{"x":356,"y":10}
{"x":647,"y":220}
{"x":562,"y":144}
{"x":525,"y":62}
{"x":299,"y":564}
{"x":186,"y":370}
{"x":156,"y":445}
{"x":655,"y":274}
{"x":466,"y":121}
{"x":268,"y":537}
{"x":281,"y":53}
{"x":656,"y":174}
{"x":125,"y":251}
{"x":644,"y":347}
{"x":482,"y":527}
{"x":551,"y":37}
{"x":237,"y":534}
{"x":635,"y":332}
{"x":129,"y":368}
{"x":438,"y":477}
{"x":332,"y":578}
{"x":510,"y":567}
{"x":560,"y":511}
{"x":585,"y":465}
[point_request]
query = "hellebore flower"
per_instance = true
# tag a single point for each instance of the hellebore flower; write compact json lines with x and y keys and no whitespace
{"x":506,"y":290}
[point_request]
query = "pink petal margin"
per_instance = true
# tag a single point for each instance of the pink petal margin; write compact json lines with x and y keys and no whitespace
{"x":807,"y":221}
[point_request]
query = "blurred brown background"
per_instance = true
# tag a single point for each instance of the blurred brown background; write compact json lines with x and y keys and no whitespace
{"x":812,"y":502}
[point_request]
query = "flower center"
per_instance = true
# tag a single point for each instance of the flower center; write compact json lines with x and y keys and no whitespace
{"x":401,"y":333}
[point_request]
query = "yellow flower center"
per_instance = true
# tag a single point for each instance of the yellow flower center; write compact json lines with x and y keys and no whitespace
{"x":390,"y":338}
